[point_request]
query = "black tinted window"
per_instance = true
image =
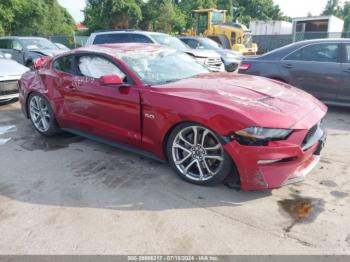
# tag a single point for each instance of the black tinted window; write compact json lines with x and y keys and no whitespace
{"x":64,"y":64}
{"x":139,"y":38}
{"x":347,"y":54}
{"x":4,"y":44}
{"x":193,"y":43}
{"x":121,"y":38}
{"x":316,"y":53}
{"x":111,"y":39}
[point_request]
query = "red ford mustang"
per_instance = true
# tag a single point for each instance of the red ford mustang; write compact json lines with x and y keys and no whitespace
{"x":158,"y":102}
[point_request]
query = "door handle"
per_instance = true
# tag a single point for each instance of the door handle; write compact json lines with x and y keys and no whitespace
{"x":347,"y":70}
{"x":288,"y":66}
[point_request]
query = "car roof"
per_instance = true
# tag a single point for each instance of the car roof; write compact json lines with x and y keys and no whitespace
{"x":22,"y":37}
{"x":128,"y":32}
{"x":324,"y":40}
{"x":116,"y":50}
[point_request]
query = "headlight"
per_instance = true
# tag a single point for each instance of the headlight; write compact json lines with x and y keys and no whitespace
{"x":228,"y":55}
{"x":201,"y":60}
{"x":260,"y":136}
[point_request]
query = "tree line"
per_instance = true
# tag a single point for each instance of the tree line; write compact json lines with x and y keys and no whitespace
{"x":48,"y":17}
{"x":334,"y":7}
{"x":34,"y":17}
{"x":171,"y":16}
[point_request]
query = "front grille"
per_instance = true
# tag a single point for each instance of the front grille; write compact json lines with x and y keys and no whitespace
{"x":214,"y":64}
{"x":8,"y":87}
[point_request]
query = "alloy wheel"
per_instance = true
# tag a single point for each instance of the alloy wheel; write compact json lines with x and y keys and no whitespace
{"x":197,"y":153}
{"x":39,"y":113}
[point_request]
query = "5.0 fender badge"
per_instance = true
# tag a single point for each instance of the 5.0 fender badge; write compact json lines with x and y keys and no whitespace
{"x":150,"y":116}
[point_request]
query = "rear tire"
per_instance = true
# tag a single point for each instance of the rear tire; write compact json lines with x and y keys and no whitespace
{"x":197,"y":155}
{"x":42,"y":115}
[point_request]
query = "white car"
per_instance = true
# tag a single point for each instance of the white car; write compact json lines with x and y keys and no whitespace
{"x":10,"y":73}
{"x":208,"y":58}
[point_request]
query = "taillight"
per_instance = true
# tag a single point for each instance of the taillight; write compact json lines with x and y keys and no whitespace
{"x":40,"y":62}
{"x":244,"y":66}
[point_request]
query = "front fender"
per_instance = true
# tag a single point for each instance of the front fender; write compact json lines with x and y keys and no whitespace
{"x":160,"y":113}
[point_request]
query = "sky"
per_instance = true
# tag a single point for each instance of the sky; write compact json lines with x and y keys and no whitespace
{"x":292,"y":8}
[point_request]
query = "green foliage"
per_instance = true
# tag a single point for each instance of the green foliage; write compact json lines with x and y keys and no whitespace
{"x":113,"y":14}
{"x":346,"y":16}
{"x":163,"y":16}
{"x":247,"y":10}
{"x":34,"y":17}
{"x":334,"y":7}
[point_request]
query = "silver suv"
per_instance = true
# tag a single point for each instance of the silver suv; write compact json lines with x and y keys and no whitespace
{"x":208,"y":58}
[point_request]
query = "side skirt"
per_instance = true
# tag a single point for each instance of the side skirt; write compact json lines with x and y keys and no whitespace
{"x":121,"y":146}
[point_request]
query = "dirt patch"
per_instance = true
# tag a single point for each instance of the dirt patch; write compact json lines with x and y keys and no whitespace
{"x":339,"y":194}
{"x":328,"y":183}
{"x":301,"y":210}
{"x":38,"y":142}
{"x":115,"y":172}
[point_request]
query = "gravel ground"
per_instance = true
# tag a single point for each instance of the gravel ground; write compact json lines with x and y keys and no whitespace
{"x":69,"y":195}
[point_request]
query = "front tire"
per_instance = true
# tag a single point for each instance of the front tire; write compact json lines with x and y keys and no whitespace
{"x":42,"y":116}
{"x":197,"y":155}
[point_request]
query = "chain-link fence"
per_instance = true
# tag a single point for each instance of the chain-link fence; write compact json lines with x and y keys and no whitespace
{"x":267,"y":43}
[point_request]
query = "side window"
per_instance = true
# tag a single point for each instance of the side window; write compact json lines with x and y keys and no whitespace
{"x":316,"y":53}
{"x":95,"y":67}
{"x":296,"y":56}
{"x":4,"y":44}
{"x":111,"y":39}
{"x":137,"y":38}
{"x":16,"y":45}
{"x":64,"y":64}
{"x":233,"y":38}
{"x":194,"y":43}
{"x":347,"y":54}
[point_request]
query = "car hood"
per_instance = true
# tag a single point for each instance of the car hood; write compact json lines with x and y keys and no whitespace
{"x":261,"y":101}
{"x":11,"y":69}
{"x":48,"y":52}
{"x":203,"y":53}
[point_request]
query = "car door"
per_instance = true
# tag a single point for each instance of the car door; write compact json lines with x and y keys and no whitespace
{"x":112,"y":112}
{"x":314,"y":68}
{"x":344,"y":90}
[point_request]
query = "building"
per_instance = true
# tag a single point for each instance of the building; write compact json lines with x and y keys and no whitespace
{"x":317,"y":27}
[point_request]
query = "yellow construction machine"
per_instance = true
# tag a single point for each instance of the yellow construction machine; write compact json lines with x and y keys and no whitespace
{"x":212,"y":23}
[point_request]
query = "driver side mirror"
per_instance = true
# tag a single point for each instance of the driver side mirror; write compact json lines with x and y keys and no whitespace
{"x":111,"y":80}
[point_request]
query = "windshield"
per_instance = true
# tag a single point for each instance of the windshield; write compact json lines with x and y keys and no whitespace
{"x":170,"y":41}
{"x":38,"y":43}
{"x":210,"y":44}
{"x":163,"y":66}
{"x":248,"y":40}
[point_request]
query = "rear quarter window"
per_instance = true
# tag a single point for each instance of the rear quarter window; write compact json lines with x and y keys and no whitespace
{"x":63,"y":64}
{"x":4,"y":44}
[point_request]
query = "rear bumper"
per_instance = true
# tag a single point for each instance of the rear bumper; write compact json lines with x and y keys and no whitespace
{"x":8,"y":97}
{"x":8,"y":90}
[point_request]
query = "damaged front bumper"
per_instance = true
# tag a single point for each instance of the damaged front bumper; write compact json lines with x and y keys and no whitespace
{"x":281,"y":162}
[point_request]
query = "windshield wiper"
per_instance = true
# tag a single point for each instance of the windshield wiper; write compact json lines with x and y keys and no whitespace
{"x":172,"y":80}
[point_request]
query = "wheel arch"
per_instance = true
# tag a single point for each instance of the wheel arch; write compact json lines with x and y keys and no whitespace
{"x":233,"y":178}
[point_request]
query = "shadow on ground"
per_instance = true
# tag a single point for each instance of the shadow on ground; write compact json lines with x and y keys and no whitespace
{"x":70,"y":171}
